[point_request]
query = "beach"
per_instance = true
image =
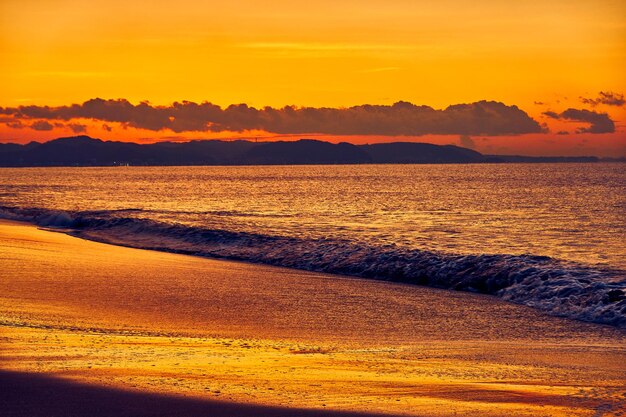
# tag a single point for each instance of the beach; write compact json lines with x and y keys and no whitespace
{"x":312,"y":208}
{"x":198,"y":334}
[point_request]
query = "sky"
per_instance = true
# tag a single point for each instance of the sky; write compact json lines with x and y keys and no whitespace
{"x":525,"y":77}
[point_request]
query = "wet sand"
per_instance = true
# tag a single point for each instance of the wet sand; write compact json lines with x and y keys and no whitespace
{"x":112,"y":323}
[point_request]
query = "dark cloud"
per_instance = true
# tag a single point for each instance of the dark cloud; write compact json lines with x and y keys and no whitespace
{"x":77,"y":128}
{"x":608,"y":98}
{"x":467,"y":142}
{"x":41,"y":125}
{"x":16,"y":125}
{"x":599,"y":122}
{"x":551,"y":114}
{"x":402,"y":118}
{"x":107,"y":127}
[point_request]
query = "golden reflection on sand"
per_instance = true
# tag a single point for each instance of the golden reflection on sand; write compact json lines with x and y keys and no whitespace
{"x":163,"y":323}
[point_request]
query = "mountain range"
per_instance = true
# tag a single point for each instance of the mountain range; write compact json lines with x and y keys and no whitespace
{"x":87,"y":151}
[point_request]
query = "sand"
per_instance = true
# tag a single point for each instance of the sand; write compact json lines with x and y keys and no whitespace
{"x":120,"y":331}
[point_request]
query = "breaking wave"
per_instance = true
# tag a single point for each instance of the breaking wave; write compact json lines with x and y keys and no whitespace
{"x":584,"y":292}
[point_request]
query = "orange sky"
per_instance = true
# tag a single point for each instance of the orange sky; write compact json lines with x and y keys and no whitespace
{"x":320,"y":53}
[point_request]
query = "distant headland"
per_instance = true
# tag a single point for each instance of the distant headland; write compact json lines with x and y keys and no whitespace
{"x":87,"y":151}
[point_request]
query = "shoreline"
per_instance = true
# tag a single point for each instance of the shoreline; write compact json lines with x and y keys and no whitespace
{"x":87,"y":151}
{"x":270,"y":336}
{"x":561,"y":288}
{"x":599,"y":161}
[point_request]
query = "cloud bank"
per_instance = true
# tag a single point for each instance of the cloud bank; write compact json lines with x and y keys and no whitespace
{"x":599,"y":122}
{"x":402,"y":118}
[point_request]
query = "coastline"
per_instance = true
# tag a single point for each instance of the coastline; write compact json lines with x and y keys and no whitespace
{"x":87,"y":151}
{"x":160,"y":323}
{"x":586,"y":292}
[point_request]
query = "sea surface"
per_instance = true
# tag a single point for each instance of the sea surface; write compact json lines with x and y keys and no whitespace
{"x":551,"y":236}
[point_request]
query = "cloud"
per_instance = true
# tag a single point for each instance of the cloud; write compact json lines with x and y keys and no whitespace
{"x":402,"y":118}
{"x":599,"y":122}
{"x":16,"y":125}
{"x":551,"y":114}
{"x":608,"y":98}
{"x":317,"y":46}
{"x":41,"y":125}
{"x":381,"y":69}
{"x":467,"y":141}
{"x":77,"y":128}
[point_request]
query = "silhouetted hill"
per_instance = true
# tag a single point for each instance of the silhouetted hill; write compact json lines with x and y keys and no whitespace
{"x":86,"y":151}
{"x":419,"y":153}
{"x":304,"y":151}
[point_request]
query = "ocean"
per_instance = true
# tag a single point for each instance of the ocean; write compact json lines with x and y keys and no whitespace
{"x":551,"y":236}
